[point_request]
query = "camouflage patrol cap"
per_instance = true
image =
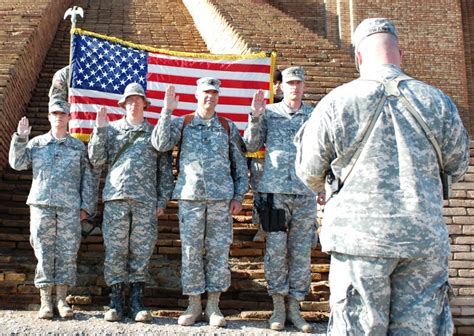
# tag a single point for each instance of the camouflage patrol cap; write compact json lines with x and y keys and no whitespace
{"x":372,"y":26}
{"x":208,"y":83}
{"x":58,"y":105}
{"x":133,"y":89}
{"x":293,"y":74}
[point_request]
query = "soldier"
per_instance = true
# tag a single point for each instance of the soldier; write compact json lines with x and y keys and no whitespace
{"x":59,"y":86}
{"x":210,"y":188}
{"x":60,"y":90}
{"x":292,"y":204}
{"x":256,"y":161}
{"x":61,"y":196}
{"x":384,"y":228}
{"x":137,"y":186}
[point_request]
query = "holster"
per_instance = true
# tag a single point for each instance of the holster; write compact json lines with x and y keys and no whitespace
{"x":446,"y":183}
{"x":273,"y":220}
{"x":332,"y":185}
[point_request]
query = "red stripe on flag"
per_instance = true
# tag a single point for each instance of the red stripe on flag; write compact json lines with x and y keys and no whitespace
{"x":231,"y":67}
{"x":93,"y":100}
{"x":225,"y":83}
{"x":191,"y":98}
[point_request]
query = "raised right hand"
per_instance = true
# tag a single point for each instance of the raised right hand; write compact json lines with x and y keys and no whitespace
{"x":24,"y":128}
{"x":101,"y":119}
{"x":170,"y":102}
{"x":258,"y":103}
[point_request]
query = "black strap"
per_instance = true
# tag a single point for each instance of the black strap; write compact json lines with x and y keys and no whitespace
{"x":125,"y":146}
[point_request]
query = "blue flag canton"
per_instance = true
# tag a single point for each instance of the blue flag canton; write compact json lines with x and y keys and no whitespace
{"x":102,"y":65}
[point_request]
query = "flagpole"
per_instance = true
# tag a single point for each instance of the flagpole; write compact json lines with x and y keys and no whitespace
{"x":73,"y":12}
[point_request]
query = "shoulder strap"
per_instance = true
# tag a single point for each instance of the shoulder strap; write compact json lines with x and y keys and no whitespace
{"x":126,"y":145}
{"x":187,"y":119}
{"x":346,"y":171}
{"x":225,"y":124}
{"x":391,"y":89}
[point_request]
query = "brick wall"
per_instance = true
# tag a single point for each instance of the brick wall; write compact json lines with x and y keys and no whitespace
{"x":467,"y":9}
{"x":432,"y":40}
{"x":26,"y":31}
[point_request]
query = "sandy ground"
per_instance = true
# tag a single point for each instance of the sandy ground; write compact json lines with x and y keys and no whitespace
{"x":16,"y":322}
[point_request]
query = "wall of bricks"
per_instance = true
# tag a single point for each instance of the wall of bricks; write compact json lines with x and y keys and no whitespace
{"x":26,"y":31}
{"x":467,"y":10}
{"x":432,"y":40}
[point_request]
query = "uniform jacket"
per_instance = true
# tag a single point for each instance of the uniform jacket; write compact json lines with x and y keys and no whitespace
{"x":212,"y":166}
{"x":140,"y":173}
{"x":391,"y":204}
{"x":276,"y":129}
{"x":62,"y":175}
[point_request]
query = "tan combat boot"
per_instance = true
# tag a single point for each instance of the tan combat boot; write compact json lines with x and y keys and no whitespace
{"x":213,"y":314}
{"x":277,"y":320}
{"x":46,"y":309}
{"x":294,"y":315}
{"x":193,"y":313}
{"x":63,"y":308}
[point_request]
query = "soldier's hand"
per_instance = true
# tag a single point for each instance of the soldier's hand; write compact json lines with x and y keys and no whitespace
{"x":235,"y":207}
{"x":258,"y":103}
{"x":102,"y":120}
{"x":159,"y":212}
{"x":24,"y":128}
{"x":83,"y":215}
{"x":170,"y":102}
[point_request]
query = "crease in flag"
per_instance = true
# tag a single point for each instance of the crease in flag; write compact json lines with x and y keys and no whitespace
{"x":102,"y":66}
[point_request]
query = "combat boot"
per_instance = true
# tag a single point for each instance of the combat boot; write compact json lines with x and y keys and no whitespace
{"x":213,"y":314}
{"x":294,"y":315}
{"x":277,"y":320}
{"x":136,"y":309}
{"x":46,"y":309}
{"x":63,"y":308}
{"x":193,"y":313}
{"x":117,"y":303}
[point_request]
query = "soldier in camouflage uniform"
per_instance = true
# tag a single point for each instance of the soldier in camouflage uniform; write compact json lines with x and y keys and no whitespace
{"x":384,"y":228}
{"x":288,"y":251}
{"x":256,"y":161}
{"x":59,"y":86}
{"x":137,"y":186}
{"x":61,"y":195}
{"x":210,"y":188}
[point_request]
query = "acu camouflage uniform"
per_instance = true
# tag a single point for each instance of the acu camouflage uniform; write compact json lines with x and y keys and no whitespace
{"x":136,"y":184}
{"x":212,"y":172}
{"x":62,"y":185}
{"x":385,"y":227}
{"x":59,"y":87}
{"x":287,"y":254}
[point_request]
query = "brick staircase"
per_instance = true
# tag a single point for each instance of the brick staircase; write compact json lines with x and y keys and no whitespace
{"x":167,"y":24}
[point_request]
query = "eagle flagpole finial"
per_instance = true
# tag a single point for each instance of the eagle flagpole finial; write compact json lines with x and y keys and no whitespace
{"x":74,"y":12}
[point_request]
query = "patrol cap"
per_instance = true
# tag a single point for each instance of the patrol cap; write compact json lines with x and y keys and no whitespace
{"x":372,"y":26}
{"x":208,"y":83}
{"x":293,"y":74}
{"x":58,"y":105}
{"x":133,"y":89}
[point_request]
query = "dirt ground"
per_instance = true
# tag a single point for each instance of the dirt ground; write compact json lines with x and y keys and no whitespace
{"x":20,"y":322}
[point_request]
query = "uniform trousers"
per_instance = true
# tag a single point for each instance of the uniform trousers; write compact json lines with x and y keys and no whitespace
{"x":389,"y":296}
{"x":206,"y":234}
{"x":130,"y":232}
{"x":288,"y":254}
{"x":55,"y":235}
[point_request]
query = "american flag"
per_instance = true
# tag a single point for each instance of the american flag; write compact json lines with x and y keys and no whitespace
{"x":102,"y":66}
